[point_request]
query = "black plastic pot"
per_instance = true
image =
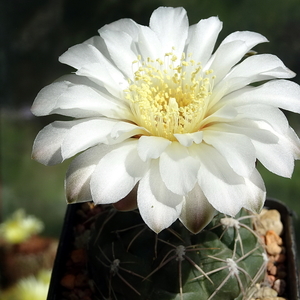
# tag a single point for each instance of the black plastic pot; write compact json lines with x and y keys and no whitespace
{"x":71,"y":219}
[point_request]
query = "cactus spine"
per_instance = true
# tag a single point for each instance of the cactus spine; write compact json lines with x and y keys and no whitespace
{"x":129,"y":261}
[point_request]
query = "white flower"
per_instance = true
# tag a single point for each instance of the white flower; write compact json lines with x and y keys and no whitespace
{"x":157,"y":111}
{"x":29,"y":288}
{"x":20,"y":227}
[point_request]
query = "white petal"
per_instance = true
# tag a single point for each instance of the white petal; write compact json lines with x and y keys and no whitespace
{"x":50,"y":95}
{"x":256,"y":192}
{"x":120,"y":47}
{"x":98,"y":43}
{"x":250,"y":38}
{"x":178,"y":169}
{"x":237,"y":149}
{"x":171,"y":26}
{"x":149,"y":45}
{"x":249,"y":128}
{"x":74,"y":79}
{"x":223,"y":188}
{"x":158,"y":206}
{"x":78,"y":101}
{"x":187,"y":139}
{"x":233,"y":52}
{"x":202,"y":39}
{"x":256,"y":68}
{"x":275,"y":150}
{"x":279,"y":93}
{"x":77,"y":183}
{"x":125,"y":25}
{"x":271,"y":115}
{"x":46,"y":100}
{"x":277,"y":158}
{"x":217,"y":114}
{"x":103,"y":75}
{"x":267,"y":64}
{"x":117,"y":173}
{"x":90,"y":62}
{"x":124,"y":130}
{"x":85,"y":134}
{"x":151,"y":147}
{"x":196,"y":211}
{"x":80,"y":55}
{"x":292,"y":141}
{"x":47,"y":144}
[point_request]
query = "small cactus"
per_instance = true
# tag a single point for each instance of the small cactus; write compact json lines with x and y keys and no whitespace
{"x":129,"y":261}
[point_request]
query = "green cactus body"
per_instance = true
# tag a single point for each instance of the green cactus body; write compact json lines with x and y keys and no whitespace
{"x":129,"y":261}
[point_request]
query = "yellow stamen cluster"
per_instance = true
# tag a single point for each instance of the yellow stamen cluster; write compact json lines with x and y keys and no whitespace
{"x":170,"y":96}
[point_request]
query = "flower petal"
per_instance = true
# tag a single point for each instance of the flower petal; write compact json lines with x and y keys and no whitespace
{"x":117,"y":173}
{"x":67,"y":99}
{"x":121,"y":49}
{"x":223,"y":188}
{"x":77,"y":182}
{"x":171,"y":26}
{"x":216,"y":115}
{"x":278,"y":158}
{"x":293,"y":142}
{"x":275,"y":150}
{"x":196,"y":211}
{"x":98,"y":43}
{"x":85,"y":134}
{"x":269,"y":114}
{"x":233,"y":47}
{"x":178,"y":169}
{"x":158,"y":206}
{"x":250,"y":38}
{"x":251,"y":129}
{"x":41,"y":105}
{"x":47,"y":144}
{"x":149,"y":45}
{"x":102,"y":76}
{"x":233,"y":52}
{"x":80,"y":55}
{"x":126,"y":25}
{"x":256,"y":192}
{"x":124,"y":130}
{"x":90,"y":62}
{"x":202,"y":39}
{"x":237,"y":149}
{"x":278,"y":93}
{"x":187,"y":139}
{"x":256,"y":68}
{"x":151,"y":147}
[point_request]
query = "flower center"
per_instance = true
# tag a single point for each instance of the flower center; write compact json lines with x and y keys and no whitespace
{"x":170,"y":96}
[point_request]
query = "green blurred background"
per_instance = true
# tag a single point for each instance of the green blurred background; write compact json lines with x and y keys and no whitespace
{"x":36,"y":32}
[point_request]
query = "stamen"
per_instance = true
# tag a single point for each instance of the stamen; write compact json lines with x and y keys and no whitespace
{"x":169,"y":96}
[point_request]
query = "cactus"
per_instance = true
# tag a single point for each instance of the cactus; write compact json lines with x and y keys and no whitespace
{"x":129,"y":261}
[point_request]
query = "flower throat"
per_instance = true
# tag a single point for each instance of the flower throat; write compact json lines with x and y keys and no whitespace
{"x":171,"y":96}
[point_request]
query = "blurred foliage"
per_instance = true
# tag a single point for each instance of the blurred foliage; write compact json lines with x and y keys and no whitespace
{"x":27,"y":184}
{"x":39,"y":31}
